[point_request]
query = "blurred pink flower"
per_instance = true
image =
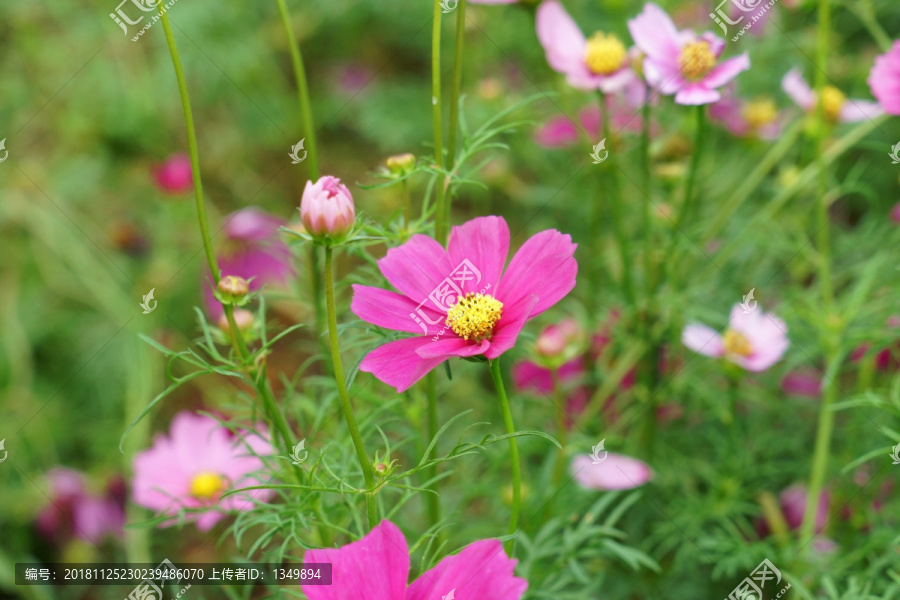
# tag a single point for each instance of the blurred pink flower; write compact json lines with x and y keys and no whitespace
{"x":754,"y":340}
{"x":487,"y":315}
{"x":75,"y":512}
{"x":747,"y":118}
{"x":194,"y":465}
{"x":763,"y":17}
{"x":615,"y":472}
{"x":680,"y":62}
{"x":529,"y":376}
{"x":804,"y":382}
{"x":837,"y":107}
{"x":895,"y":213}
{"x":793,"y":505}
{"x":174,"y":176}
{"x":887,"y":359}
{"x":884,"y":79}
{"x":561,"y":131}
{"x":253,"y":249}
{"x":326,"y":208}
{"x":598,"y":63}
{"x":377,"y":568}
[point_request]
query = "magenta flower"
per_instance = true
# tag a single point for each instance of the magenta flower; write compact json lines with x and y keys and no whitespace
{"x":838,"y":109}
{"x":598,"y":63}
{"x":75,"y":512}
{"x":680,"y":62}
{"x":377,"y":568}
{"x":194,"y":465}
{"x":253,"y":251}
{"x":174,"y":176}
{"x":793,"y":505}
{"x":754,"y":340}
{"x":747,"y":118}
{"x":326,"y":208}
{"x":610,"y":471}
{"x":884,"y":80}
{"x":456,"y":298}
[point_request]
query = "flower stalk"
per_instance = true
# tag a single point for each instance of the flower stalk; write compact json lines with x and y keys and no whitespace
{"x":440,"y":222}
{"x":513,"y":452}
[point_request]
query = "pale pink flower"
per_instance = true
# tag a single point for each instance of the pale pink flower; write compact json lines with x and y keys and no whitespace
{"x":377,"y":568}
{"x":884,"y":79}
{"x":598,"y":63}
{"x":194,"y":465}
{"x":174,"y":176}
{"x":837,"y":107}
{"x":614,"y":472}
{"x":326,"y":208}
{"x":75,"y":512}
{"x":681,"y":62}
{"x":803,"y":382}
{"x":754,"y":340}
{"x":747,"y":118}
{"x":460,"y":300}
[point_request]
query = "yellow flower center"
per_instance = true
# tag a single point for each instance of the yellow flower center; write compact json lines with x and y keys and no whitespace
{"x":474,"y":316}
{"x":760,"y":113}
{"x":604,"y":53}
{"x":696,"y":60}
{"x":736,"y":344}
{"x":206,"y":485}
{"x":834,"y":100}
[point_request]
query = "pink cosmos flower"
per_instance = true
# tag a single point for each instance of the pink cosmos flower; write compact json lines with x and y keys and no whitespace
{"x":194,"y":465}
{"x":377,"y":568}
{"x":792,"y":502}
{"x":680,"y":62}
{"x":174,"y":176}
{"x":75,"y":512}
{"x":838,"y":109}
{"x":326,"y":208}
{"x":614,"y":472}
{"x":754,"y":340}
{"x":884,"y":79}
{"x":803,"y":382}
{"x":254,"y":251}
{"x":460,"y":300}
{"x":747,"y":118}
{"x":561,"y":131}
{"x":598,"y":63}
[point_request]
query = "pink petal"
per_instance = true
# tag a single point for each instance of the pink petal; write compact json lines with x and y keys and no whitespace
{"x":544,"y":266}
{"x":716,"y":44}
{"x":393,"y":311}
{"x":655,"y":33}
{"x":510,"y":325}
{"x":615,"y":82}
{"x":703,"y":340}
{"x":795,"y":87}
{"x":561,"y":38}
{"x":615,"y":472}
{"x":397,"y":363}
{"x":557,"y":132}
{"x":695,"y":94}
{"x":663,"y":75}
{"x":374,"y":568}
{"x":859,"y":110}
{"x":452,"y":346}
{"x":528,"y":376}
{"x":481,"y":571}
{"x":727,"y":70}
{"x":484,"y":243}
{"x":884,"y":79}
{"x":416,"y":267}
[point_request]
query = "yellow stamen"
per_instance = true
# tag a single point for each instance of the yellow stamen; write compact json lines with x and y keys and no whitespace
{"x":474,"y":316}
{"x":696,"y":60}
{"x":760,"y":113}
{"x":604,"y":54}
{"x":206,"y":485}
{"x":834,"y":100}
{"x":736,"y":344}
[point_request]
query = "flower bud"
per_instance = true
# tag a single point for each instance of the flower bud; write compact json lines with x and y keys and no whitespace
{"x":401,"y":164}
{"x":244,"y":320}
{"x":326,"y":208}
{"x":175,"y":176}
{"x":232,"y":289}
{"x":554,"y":340}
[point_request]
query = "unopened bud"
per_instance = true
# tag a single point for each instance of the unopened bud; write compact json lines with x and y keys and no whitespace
{"x":233,"y":289}
{"x":401,"y":164}
{"x":326,"y":209}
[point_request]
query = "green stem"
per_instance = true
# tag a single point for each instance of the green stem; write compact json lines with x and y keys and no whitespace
{"x":406,"y":202}
{"x":302,"y":92}
{"x":346,"y":408}
{"x":434,"y":502}
{"x":687,"y":203}
{"x":562,"y":428}
{"x":513,"y":453}
{"x":440,"y":223}
{"x":454,"y":97}
{"x":829,"y":342}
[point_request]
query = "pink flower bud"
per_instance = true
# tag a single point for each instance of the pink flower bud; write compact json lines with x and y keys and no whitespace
{"x":555,"y":339}
{"x":326,"y":208}
{"x":174,"y":176}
